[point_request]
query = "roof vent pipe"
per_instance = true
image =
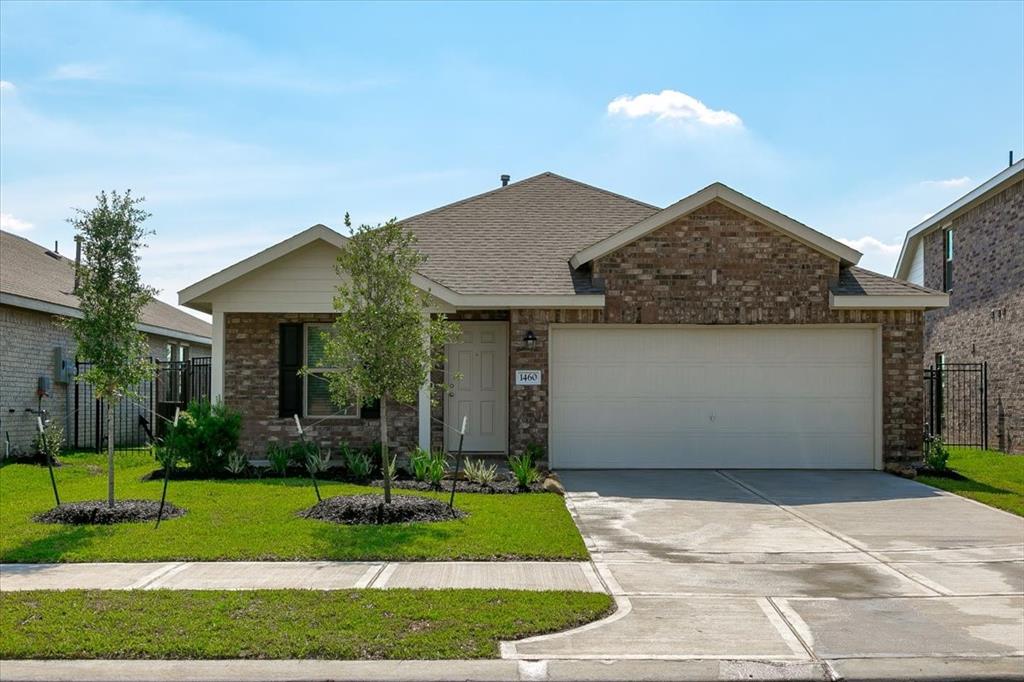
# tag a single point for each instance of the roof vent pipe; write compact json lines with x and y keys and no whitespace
{"x":78,"y":260}
{"x":1011,"y":157}
{"x":504,"y":179}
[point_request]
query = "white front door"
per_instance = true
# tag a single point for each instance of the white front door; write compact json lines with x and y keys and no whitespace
{"x":481,"y":394}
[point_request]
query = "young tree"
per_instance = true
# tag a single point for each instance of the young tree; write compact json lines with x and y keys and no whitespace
{"x":382,"y":342}
{"x":111,"y":297}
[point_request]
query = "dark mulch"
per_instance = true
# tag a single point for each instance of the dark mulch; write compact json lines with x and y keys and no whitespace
{"x":97,"y":512}
{"x":502,"y":487}
{"x":944,"y":473}
{"x":367,"y":509}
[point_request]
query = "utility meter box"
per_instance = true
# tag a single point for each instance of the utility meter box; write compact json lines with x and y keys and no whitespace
{"x":63,"y":366}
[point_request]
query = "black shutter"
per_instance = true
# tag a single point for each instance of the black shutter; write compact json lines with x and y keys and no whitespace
{"x":289,"y":396}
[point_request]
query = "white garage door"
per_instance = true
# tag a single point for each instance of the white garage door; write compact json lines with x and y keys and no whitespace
{"x":712,"y":397}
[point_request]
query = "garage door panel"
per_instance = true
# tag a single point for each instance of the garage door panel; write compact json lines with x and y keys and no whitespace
{"x":651,"y":397}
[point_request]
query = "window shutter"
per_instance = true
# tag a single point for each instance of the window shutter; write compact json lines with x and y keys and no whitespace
{"x":289,"y":399}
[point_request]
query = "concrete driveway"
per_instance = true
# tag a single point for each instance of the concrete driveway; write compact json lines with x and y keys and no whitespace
{"x":859,"y":574}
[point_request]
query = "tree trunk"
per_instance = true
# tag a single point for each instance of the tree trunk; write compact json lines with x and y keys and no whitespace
{"x":110,"y":453}
{"x":385,"y":457}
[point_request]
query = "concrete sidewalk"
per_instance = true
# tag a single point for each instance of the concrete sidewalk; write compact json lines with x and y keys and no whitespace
{"x":302,"y":575}
{"x":930,"y":669}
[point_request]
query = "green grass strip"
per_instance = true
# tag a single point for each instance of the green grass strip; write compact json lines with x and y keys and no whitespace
{"x":238,"y":520}
{"x":283,"y":624}
{"x":992,"y":477}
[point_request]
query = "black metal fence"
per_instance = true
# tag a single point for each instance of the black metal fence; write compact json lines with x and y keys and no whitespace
{"x":172,"y":385}
{"x":956,"y":403}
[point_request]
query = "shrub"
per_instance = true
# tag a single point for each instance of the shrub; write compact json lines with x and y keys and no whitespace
{"x":49,"y":442}
{"x":523,"y":469}
{"x":277,"y":457}
{"x":204,"y":435}
{"x":358,"y":464}
{"x":479,"y":472}
{"x":237,"y":463}
{"x":535,"y":452}
{"x":419,"y":462}
{"x":390,"y":468}
{"x":936,"y":454}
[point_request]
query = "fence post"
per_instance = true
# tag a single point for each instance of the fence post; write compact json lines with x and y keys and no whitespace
{"x":77,"y":385}
{"x":984,"y":405}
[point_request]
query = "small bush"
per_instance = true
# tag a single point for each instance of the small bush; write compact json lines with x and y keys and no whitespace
{"x":419,"y":462}
{"x":438,"y":468}
{"x":204,"y":435}
{"x":237,"y":463}
{"x":390,"y":468}
{"x":936,"y":454}
{"x":535,"y":452}
{"x":479,"y":472}
{"x":49,"y":442}
{"x":277,"y":458}
{"x":523,"y":469}
{"x":358,"y":464}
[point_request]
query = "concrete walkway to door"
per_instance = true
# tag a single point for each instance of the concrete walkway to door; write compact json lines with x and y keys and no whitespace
{"x":846,"y":569}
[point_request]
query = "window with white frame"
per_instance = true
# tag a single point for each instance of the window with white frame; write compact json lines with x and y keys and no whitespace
{"x":316,"y":393}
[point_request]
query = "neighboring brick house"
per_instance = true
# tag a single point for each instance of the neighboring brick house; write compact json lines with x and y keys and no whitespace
{"x":36,"y":287}
{"x":974,"y":250}
{"x":716,"y":332}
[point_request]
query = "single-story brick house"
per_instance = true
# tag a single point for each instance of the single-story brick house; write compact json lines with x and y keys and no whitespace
{"x":36,"y":294}
{"x":716,"y":332}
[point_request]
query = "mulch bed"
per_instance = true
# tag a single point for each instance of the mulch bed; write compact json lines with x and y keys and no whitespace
{"x":503,"y":487}
{"x":367,"y":509}
{"x":97,"y":512}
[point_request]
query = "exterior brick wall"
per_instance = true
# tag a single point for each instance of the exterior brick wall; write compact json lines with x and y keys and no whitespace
{"x":761,"y":277}
{"x":27,"y":342}
{"x":985,"y":318}
{"x":251,"y":386}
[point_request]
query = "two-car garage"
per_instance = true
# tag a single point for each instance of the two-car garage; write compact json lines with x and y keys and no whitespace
{"x":651,"y":396}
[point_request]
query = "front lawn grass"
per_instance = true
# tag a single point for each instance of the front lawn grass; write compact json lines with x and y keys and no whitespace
{"x":992,"y":477}
{"x":283,"y":624}
{"x":256,"y":520}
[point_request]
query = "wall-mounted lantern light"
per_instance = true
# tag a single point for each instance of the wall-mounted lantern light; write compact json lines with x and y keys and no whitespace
{"x":530,"y":340}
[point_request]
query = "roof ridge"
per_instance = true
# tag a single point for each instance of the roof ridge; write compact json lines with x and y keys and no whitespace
{"x":474,"y":197}
{"x":602,"y":190}
{"x":521,"y":183}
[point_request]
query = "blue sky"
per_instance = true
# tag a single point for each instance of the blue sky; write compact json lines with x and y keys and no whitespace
{"x":244,"y":123}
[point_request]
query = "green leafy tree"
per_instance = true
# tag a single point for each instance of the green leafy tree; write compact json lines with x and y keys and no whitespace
{"x":111,"y":297}
{"x":382,"y":343}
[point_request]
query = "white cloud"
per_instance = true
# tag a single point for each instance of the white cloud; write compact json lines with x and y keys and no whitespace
{"x":12,"y":224}
{"x":6,"y":85}
{"x":79,"y":72}
{"x":951,"y":182}
{"x":871,"y":245}
{"x":673,"y":105}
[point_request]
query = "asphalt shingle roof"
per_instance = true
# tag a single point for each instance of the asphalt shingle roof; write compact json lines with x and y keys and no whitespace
{"x":519,"y":238}
{"x":854,"y":281}
{"x":26,"y":270}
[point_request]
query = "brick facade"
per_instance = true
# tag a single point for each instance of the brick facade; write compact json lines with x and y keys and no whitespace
{"x":717,"y":266}
{"x":27,"y":342}
{"x":985,"y":318}
{"x":713,"y":266}
{"x":251,"y":386}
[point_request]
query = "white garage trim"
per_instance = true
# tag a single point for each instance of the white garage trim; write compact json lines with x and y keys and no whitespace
{"x":869,"y":401}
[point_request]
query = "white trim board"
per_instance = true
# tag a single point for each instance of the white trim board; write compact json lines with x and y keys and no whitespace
{"x":740,"y":202}
{"x":887,"y":302}
{"x":16,"y":301}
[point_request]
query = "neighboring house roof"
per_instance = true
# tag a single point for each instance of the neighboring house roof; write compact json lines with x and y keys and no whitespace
{"x":519,"y":239}
{"x":33,"y":277}
{"x":860,"y":288}
{"x":730,"y":197}
{"x":992,"y":186}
